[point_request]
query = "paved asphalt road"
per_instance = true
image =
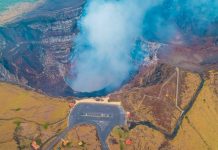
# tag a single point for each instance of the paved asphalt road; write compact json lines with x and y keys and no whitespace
{"x":104,"y":116}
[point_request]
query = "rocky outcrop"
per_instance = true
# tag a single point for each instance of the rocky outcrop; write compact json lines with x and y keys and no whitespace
{"x":36,"y":49}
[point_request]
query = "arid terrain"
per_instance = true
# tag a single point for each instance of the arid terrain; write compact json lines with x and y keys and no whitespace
{"x":159,"y":66}
{"x":198,"y":126}
{"x":27,"y":116}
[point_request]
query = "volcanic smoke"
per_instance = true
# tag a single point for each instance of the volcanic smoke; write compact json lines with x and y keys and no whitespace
{"x":109,"y":30}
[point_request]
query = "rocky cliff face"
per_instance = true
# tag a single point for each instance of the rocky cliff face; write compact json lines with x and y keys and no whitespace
{"x":35,"y":50}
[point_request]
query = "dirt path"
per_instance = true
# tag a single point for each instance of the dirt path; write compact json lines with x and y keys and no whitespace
{"x":173,"y":134}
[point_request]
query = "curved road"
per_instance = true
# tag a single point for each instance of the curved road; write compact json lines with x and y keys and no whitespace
{"x":103,"y":116}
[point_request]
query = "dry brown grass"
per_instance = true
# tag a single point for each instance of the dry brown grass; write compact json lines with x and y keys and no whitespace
{"x":18,"y":102}
{"x":8,"y":146}
{"x":188,"y":86}
{"x":28,"y":115}
{"x":84,"y":133}
{"x":199,"y":128}
{"x":142,"y":137}
{"x":6,"y":130}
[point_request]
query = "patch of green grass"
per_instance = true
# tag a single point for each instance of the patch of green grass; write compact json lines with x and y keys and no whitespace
{"x":69,"y":144}
{"x":22,"y":147}
{"x":45,"y":125}
{"x":38,"y":141}
{"x":121,"y":133}
{"x":17,"y":109}
{"x":17,"y":122}
{"x":121,"y":145}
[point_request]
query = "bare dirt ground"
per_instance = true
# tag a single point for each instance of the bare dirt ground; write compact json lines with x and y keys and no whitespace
{"x":197,"y":131}
{"x":197,"y":55}
{"x":158,"y":95}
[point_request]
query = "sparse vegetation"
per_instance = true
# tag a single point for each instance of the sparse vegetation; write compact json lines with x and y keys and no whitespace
{"x":121,"y":145}
{"x":82,"y":137}
{"x":22,"y":147}
{"x":35,"y":111}
{"x":17,"y":109}
{"x":38,"y":141}
{"x":17,"y":122}
{"x":199,"y":125}
{"x":45,"y":125}
{"x":69,"y":144}
{"x":121,"y":133}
